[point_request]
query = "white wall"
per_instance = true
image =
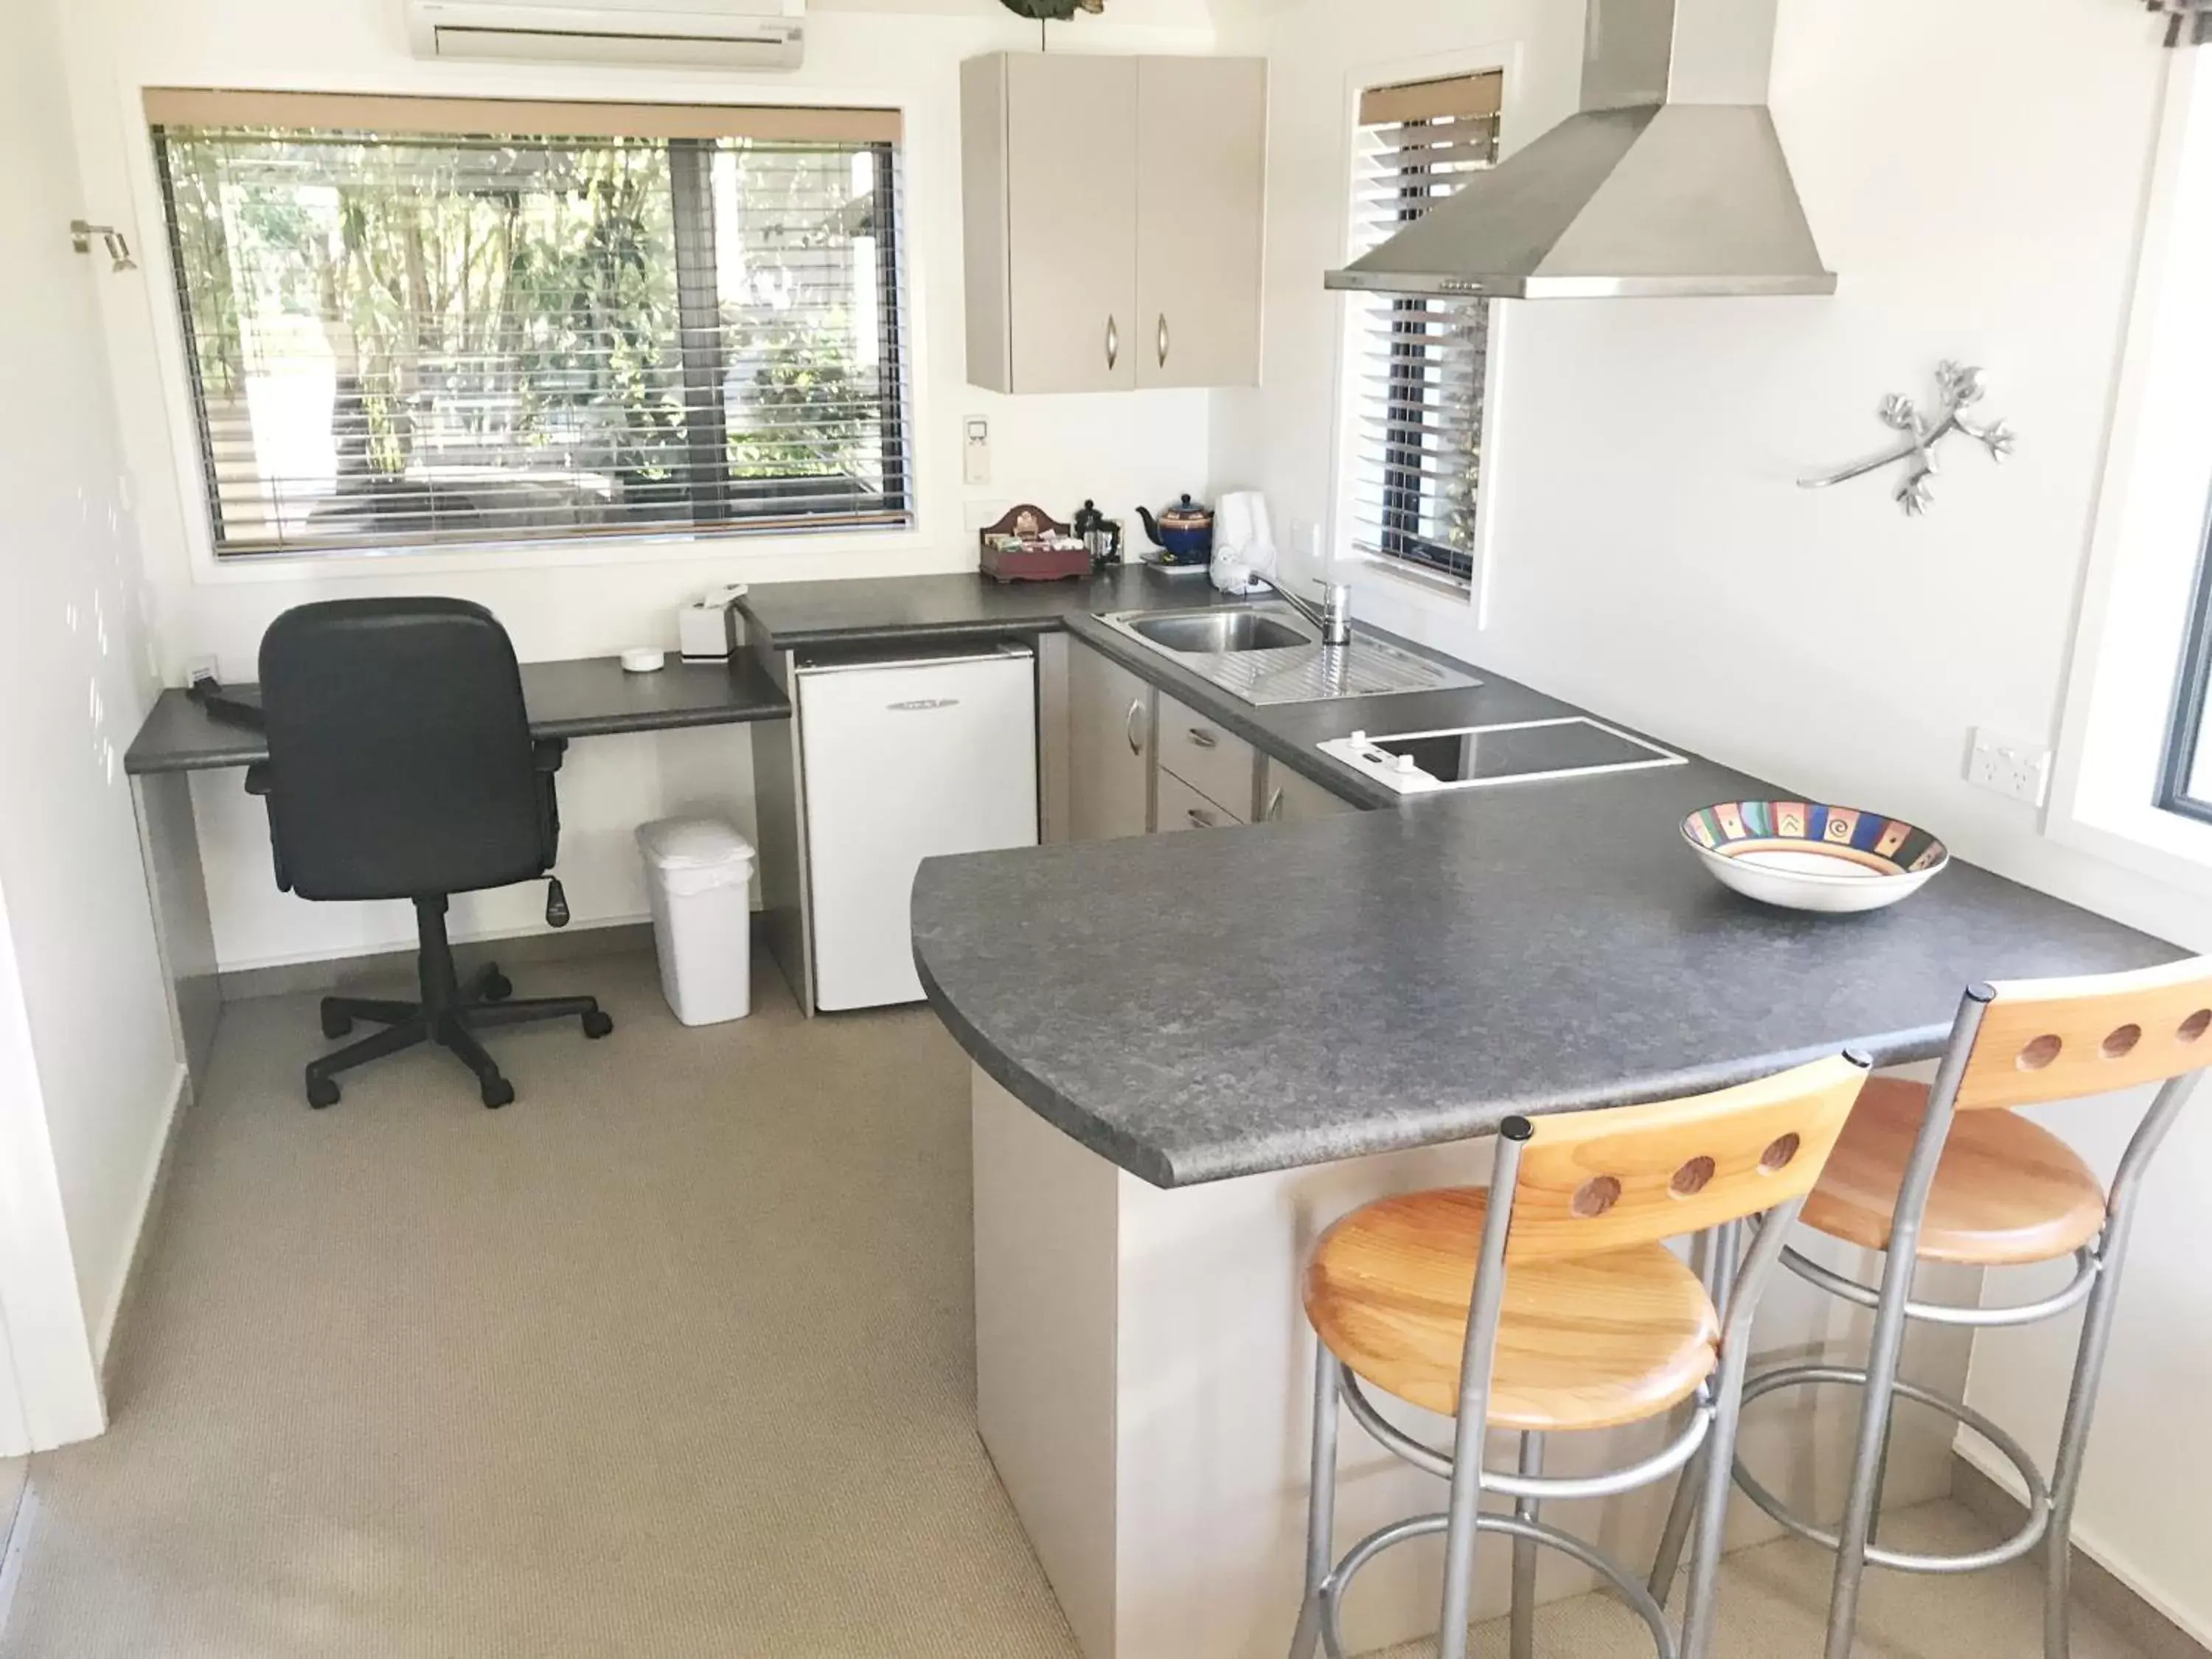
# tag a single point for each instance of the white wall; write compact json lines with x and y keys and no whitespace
{"x":89,"y":1074}
{"x":1975,"y":173}
{"x":1121,"y":450}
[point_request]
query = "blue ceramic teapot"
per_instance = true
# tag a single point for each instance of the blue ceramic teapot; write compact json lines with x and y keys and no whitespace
{"x":1184,"y":532}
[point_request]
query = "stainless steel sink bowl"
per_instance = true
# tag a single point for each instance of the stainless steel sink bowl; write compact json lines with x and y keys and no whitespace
{"x":1219,"y":631}
{"x":1267,"y":653}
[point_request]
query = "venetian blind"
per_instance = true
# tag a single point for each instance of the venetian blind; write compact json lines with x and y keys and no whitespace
{"x":419,"y":322}
{"x":1420,"y":363}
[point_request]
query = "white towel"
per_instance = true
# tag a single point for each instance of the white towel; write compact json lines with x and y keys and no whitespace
{"x":1243,"y":542}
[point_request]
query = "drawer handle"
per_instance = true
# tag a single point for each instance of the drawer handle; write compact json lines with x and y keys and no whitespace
{"x":1163,"y":339}
{"x":1202,"y":738}
{"x":1113,"y":342}
{"x":1275,"y":806}
{"x":1129,"y":728}
{"x":1200,"y":819}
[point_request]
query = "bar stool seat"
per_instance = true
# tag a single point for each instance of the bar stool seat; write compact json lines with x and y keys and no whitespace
{"x":1583,"y":1342}
{"x":2007,"y":1191}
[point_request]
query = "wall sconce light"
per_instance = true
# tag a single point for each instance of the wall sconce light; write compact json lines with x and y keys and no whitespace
{"x":81,"y":236}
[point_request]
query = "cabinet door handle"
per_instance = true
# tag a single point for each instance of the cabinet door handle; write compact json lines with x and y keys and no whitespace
{"x":1113,"y":342}
{"x":1200,"y":820}
{"x":1202,"y":738}
{"x":1274,"y":806}
{"x":1163,"y":339}
{"x":1129,"y":728}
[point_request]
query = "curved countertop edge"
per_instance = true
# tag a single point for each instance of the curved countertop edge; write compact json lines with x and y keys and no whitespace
{"x":1046,"y":1102}
{"x":1382,"y":1135}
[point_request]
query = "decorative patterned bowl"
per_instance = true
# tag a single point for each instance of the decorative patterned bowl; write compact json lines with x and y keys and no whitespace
{"x":1802,"y":855}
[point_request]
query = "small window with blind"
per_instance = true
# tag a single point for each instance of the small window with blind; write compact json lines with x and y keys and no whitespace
{"x":1419,"y":365}
{"x":414,"y":323}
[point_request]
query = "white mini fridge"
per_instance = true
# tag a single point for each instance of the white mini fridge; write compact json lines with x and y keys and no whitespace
{"x":903,"y":758}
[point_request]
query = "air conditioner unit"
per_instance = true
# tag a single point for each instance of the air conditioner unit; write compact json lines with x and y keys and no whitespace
{"x":691,"y":34}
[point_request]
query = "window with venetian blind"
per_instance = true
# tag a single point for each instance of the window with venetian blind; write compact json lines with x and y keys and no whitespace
{"x":1418,"y":364}
{"x":416,"y":322}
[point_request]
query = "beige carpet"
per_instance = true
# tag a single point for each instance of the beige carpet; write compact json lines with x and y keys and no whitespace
{"x":671,"y":1358}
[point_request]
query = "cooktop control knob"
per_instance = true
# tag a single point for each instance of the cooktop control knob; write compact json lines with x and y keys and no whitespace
{"x":1406,"y":763}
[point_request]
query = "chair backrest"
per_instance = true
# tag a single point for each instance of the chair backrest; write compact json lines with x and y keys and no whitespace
{"x":1604,"y":1180}
{"x":2054,"y":1039}
{"x":399,"y":749}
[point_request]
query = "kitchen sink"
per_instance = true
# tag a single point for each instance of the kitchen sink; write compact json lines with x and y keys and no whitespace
{"x":1201,"y":632}
{"x":1269,"y":653}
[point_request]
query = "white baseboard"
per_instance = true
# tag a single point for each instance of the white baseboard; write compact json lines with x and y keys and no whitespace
{"x":2000,"y":1472}
{"x":152,"y":1186}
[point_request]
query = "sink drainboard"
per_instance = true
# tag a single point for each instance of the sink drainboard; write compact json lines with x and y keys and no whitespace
{"x":1365,"y":668}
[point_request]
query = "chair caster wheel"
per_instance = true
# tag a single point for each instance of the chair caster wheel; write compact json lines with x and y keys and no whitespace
{"x":498,"y":1092}
{"x":321,"y":1090}
{"x":497,"y":987}
{"x":598,"y":1025}
{"x":336,"y":1024}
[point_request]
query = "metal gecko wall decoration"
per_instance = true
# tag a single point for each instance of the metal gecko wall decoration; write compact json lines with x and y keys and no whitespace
{"x":1960,"y":387}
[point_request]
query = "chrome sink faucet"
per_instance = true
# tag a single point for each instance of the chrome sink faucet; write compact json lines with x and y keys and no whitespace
{"x":1333,"y":616}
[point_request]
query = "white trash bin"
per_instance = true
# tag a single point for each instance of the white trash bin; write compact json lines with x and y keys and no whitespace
{"x":699,"y":872}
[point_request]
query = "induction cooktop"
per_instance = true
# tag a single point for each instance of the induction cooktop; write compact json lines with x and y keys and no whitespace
{"x":1480,"y":757}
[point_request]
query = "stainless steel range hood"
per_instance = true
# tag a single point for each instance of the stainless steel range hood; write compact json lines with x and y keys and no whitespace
{"x":1669,"y":181}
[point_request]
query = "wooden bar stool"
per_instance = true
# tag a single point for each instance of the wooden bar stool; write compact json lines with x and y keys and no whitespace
{"x":1549,"y":1302}
{"x":1947,"y":1173}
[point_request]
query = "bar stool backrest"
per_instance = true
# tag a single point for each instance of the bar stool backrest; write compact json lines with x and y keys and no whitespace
{"x":1605,"y":1180}
{"x":2056,"y":1039}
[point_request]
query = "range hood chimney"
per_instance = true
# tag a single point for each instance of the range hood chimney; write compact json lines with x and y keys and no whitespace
{"x":1669,"y":181}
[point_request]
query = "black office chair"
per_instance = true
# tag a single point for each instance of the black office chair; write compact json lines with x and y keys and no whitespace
{"x":401,"y":766}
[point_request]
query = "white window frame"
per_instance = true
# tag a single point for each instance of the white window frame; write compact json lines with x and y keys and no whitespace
{"x":2150,"y":533}
{"x":758,"y":556}
{"x":1405,"y":581}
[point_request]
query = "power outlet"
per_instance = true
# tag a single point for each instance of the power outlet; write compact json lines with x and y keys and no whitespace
{"x":2019,"y":770}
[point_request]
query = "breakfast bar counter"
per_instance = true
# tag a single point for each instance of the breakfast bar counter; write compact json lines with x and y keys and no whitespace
{"x":1193,"y":1051}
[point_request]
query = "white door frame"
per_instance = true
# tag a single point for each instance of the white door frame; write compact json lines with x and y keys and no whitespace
{"x":50,"y":1391}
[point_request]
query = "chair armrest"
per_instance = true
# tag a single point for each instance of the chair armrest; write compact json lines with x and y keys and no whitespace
{"x":545,"y":753}
{"x":258,"y":781}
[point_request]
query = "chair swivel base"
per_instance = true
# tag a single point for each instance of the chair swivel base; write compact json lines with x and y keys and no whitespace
{"x":484,"y":1002}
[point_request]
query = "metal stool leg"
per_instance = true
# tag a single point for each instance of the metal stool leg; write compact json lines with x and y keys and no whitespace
{"x":1320,"y":1500}
{"x":1668,"y":1560}
{"x":1525,"y":1556}
{"x":2073,"y":1440}
{"x":1857,"y":1529}
{"x":1722,"y":1256}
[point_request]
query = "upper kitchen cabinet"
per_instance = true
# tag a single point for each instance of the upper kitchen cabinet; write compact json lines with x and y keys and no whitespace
{"x":1114,"y":210}
{"x":1201,"y":188}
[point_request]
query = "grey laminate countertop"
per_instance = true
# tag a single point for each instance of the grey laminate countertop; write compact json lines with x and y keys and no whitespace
{"x":1204,"y":1006}
{"x":584,"y":697}
{"x":796,"y":615}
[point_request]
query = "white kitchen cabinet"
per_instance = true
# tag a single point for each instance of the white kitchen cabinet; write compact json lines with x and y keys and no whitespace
{"x":1181,"y":807}
{"x":1109,"y":742}
{"x":1201,"y":176}
{"x":1112,"y":209}
{"x":1288,"y":797}
{"x":1219,"y":765}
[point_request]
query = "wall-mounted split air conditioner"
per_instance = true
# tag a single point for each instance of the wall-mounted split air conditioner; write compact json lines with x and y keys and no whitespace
{"x":688,"y":34}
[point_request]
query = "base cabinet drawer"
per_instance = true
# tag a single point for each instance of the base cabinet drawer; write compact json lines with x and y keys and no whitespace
{"x":1220,"y":766}
{"x":1181,"y":807}
{"x":1287,"y":797}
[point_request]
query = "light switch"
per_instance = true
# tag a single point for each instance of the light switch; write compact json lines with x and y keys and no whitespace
{"x":978,"y":451}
